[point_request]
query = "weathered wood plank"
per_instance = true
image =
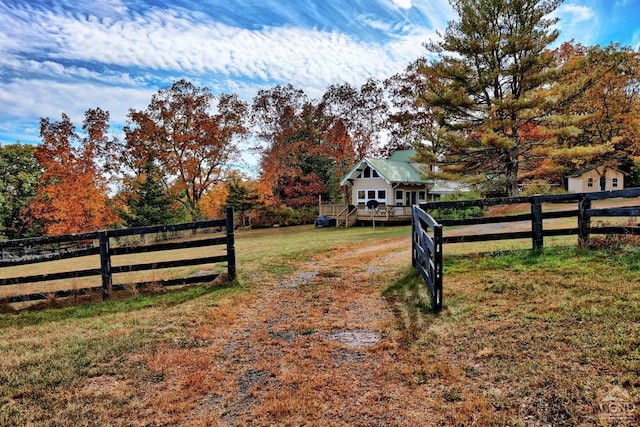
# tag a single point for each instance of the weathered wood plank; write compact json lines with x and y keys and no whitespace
{"x":166,"y":228}
{"x":168,"y":264}
{"x":487,"y":237}
{"x":560,"y":214}
{"x":168,"y":282}
{"x":485,"y":220}
{"x":39,"y":296}
{"x":601,"y":195}
{"x":36,"y":259}
{"x":609,"y":212}
{"x":615,"y":230}
{"x":421,"y":215}
{"x":49,"y":277}
{"x":561,"y":232}
{"x":35,"y":241}
{"x":127,"y":250}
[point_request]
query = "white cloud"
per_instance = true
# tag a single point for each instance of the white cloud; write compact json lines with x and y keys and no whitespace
{"x":439,"y":12}
{"x":58,"y":61}
{"x":23,"y":98}
{"x":403,"y":4}
{"x":579,"y":23}
{"x":576,"y":13}
{"x":180,"y":43}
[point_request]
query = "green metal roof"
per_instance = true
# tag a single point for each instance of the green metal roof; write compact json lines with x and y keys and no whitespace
{"x":394,"y":171}
{"x":403,"y":156}
{"x":397,"y":169}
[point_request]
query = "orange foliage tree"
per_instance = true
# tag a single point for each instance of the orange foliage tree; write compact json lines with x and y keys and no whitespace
{"x":310,"y":146}
{"x":71,"y":196}
{"x":606,"y":114}
{"x":213,"y":202}
{"x":190,"y":140}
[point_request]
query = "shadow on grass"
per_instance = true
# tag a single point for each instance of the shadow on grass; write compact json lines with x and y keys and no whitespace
{"x":120,"y":302}
{"x":411,"y":303}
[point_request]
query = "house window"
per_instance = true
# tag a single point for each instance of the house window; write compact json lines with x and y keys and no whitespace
{"x":365,"y":195}
{"x":399,"y":197}
{"x":369,"y":173}
{"x":410,"y":197}
{"x":590,"y":182}
{"x":614,"y":182}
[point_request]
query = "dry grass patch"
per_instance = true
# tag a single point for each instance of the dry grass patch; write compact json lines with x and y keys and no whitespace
{"x":540,"y":338}
{"x":311,"y":337}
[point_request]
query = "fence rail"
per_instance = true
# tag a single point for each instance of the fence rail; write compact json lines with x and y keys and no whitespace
{"x":54,"y":248}
{"x":427,"y":253}
{"x":584,"y":214}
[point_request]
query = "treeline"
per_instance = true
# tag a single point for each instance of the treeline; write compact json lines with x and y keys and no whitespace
{"x":491,"y":104}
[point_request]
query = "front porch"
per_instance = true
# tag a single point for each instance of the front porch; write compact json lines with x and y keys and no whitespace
{"x":348,"y":215}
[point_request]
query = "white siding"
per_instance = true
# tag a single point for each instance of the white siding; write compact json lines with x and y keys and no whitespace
{"x":589,"y":181}
{"x":376,"y":185}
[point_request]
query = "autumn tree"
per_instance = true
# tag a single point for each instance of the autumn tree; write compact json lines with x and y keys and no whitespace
{"x":487,"y":88}
{"x":19,"y":175}
{"x":309,"y":145}
{"x":191,"y":140}
{"x":72,"y":193}
{"x":605,"y":115}
{"x":355,"y":119}
{"x":284,"y":120}
{"x":408,"y":121}
{"x":214,"y":201}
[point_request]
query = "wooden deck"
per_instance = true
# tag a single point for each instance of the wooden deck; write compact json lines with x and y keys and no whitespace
{"x":348,"y":215}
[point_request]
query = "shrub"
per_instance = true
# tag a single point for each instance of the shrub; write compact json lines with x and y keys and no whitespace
{"x":268,"y":216}
{"x":614,"y":242}
{"x":540,"y":186}
{"x":464,"y":213}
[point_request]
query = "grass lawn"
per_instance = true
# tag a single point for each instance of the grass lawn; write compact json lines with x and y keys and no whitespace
{"x":524,"y":339}
{"x":536,"y":339}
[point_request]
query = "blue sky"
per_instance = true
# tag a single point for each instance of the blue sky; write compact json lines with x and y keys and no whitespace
{"x":67,"y":55}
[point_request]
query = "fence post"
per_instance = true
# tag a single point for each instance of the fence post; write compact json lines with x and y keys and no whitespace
{"x":536,"y":222}
{"x":437,"y":260}
{"x":414,"y":237}
{"x":231,"y":250}
{"x":584,"y":220}
{"x":105,"y":264}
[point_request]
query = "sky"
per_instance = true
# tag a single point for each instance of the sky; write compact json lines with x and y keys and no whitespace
{"x":66,"y":56}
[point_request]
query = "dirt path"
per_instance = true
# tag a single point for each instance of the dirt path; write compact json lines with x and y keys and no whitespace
{"x":322,"y":347}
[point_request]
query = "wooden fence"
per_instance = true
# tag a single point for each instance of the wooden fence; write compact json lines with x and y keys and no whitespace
{"x":427,"y":253}
{"x":47,"y":249}
{"x":584,"y":214}
{"x":427,"y":250}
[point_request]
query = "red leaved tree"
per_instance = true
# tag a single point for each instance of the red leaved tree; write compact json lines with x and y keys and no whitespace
{"x":190,"y":141}
{"x":72,"y":196}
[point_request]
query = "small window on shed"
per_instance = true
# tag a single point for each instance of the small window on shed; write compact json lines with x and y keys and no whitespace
{"x":590,"y":182}
{"x":614,"y":182}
